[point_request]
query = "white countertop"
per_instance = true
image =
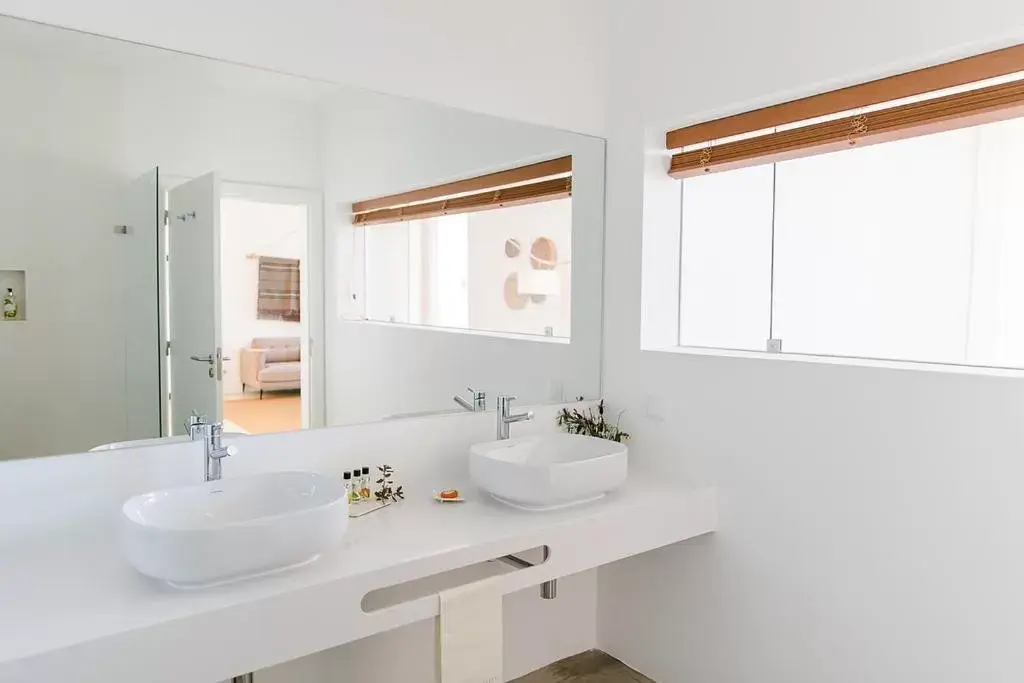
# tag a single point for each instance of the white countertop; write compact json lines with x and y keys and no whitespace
{"x":71,"y":607}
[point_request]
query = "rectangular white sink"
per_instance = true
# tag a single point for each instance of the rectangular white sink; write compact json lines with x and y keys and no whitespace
{"x":222,"y":531}
{"x":548,"y":472}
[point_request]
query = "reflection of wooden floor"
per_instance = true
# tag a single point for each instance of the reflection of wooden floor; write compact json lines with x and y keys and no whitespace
{"x":589,"y":667}
{"x":277,"y":412}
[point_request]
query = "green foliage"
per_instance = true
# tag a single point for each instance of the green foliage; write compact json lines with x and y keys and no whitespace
{"x":386,"y":491}
{"x":592,"y":422}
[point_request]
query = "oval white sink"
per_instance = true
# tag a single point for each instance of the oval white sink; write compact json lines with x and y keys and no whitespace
{"x":548,"y":472}
{"x":221,"y":531}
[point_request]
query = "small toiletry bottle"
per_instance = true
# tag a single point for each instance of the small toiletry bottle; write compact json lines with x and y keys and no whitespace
{"x":10,"y":305}
{"x":364,"y":483}
{"x":349,"y":486}
{"x":353,"y":495}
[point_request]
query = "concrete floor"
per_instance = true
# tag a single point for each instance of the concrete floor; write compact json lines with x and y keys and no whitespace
{"x":589,"y":667}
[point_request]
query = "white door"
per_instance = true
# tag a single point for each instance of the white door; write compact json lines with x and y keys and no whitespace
{"x":140,"y":255}
{"x":193,"y":274}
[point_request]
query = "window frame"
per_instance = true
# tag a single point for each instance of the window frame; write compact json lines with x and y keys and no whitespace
{"x":679,"y":347}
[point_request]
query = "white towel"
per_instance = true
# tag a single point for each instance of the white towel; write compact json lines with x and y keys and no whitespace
{"x":470,"y":633}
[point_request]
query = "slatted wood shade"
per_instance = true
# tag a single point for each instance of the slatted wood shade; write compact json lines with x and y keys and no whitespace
{"x":981,"y":105}
{"x":481,"y":193}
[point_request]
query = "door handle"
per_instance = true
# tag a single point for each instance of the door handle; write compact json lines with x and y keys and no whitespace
{"x":208,"y":358}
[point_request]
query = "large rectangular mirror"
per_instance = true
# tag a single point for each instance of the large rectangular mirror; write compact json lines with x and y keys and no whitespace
{"x":179,"y":234}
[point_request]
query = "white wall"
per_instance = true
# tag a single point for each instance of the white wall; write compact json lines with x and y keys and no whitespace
{"x":60,"y":193}
{"x":82,"y":123}
{"x":869,"y":517}
{"x":260,"y":229}
{"x":462,"y":53}
{"x":379,"y":145}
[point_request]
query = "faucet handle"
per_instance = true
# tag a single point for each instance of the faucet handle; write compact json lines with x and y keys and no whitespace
{"x":479,"y":399}
{"x":505,"y":404}
{"x":193,"y":423}
{"x":223,"y":452}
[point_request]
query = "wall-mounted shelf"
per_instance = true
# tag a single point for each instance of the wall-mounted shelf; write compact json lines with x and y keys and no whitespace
{"x":13,"y":279}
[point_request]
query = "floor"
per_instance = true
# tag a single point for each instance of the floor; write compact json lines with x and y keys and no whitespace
{"x":589,"y":667}
{"x":277,"y":412}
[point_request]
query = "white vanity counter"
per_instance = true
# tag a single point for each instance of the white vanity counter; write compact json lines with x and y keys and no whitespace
{"x":73,"y":609}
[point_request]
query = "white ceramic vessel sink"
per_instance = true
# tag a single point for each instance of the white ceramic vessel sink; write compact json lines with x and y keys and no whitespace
{"x":548,"y":472}
{"x":222,"y":531}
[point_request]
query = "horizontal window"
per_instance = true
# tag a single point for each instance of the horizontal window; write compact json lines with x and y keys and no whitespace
{"x":503,"y":270}
{"x":906,"y":251}
{"x":906,"y":247}
{"x":490,"y":253}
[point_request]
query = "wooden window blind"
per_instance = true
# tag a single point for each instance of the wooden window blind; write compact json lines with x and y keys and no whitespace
{"x":539,"y":182}
{"x":754,"y":137}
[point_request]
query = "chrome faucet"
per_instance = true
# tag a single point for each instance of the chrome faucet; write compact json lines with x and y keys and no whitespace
{"x":213,"y":450}
{"x":193,"y":424}
{"x":477,"y":403}
{"x":506,"y":417}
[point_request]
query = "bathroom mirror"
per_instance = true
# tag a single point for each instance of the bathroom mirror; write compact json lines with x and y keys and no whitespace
{"x":180,"y":234}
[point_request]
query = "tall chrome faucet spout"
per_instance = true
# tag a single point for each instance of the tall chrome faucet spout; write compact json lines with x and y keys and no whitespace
{"x":213,"y":450}
{"x":507,"y":417}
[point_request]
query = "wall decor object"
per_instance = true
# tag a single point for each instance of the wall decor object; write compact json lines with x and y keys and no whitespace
{"x":543,"y":254}
{"x":539,"y":282}
{"x":278,"y":294}
{"x":512,"y":247}
{"x":513,"y":299}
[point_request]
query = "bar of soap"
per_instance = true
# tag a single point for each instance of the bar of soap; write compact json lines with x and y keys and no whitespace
{"x":449,"y":494}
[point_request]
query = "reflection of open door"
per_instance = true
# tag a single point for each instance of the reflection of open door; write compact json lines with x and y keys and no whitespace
{"x":196,"y":357}
{"x":139,"y":260}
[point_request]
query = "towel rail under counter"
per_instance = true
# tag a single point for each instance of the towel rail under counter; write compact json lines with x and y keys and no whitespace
{"x":548,"y":589}
{"x":428,"y":587}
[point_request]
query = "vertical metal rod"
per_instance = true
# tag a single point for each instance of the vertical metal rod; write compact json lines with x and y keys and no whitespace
{"x":548,"y":589}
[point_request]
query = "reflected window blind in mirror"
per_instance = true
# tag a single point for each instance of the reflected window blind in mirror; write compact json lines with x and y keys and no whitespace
{"x":539,"y":182}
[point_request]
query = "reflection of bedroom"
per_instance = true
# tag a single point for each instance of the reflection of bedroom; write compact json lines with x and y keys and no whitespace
{"x":262,"y":244}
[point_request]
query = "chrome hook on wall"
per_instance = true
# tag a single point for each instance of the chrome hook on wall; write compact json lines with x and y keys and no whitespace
{"x":186,"y":216}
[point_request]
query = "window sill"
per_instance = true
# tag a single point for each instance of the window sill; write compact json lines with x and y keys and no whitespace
{"x":458,"y":330}
{"x":920,"y":366}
